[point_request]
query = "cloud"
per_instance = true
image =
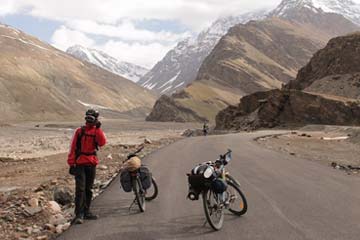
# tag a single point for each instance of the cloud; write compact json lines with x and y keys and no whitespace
{"x":194,"y":13}
{"x":125,"y":30}
{"x":65,"y":37}
{"x":143,"y":54}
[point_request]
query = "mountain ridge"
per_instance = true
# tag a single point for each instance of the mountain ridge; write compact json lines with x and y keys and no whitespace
{"x":125,"y":69}
{"x":258,"y":56}
{"x":41,"y":83}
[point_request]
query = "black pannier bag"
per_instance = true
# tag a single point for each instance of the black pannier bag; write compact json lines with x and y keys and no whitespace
{"x":125,"y":180}
{"x":145,"y":177}
{"x":196,"y":179}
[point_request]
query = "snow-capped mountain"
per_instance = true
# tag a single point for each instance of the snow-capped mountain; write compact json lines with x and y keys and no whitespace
{"x":347,"y":8}
{"x":127,"y":70}
{"x":180,"y":65}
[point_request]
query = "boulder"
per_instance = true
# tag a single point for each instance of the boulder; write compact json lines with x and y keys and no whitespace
{"x":33,"y":202}
{"x":62,"y":195}
{"x":54,"y":207}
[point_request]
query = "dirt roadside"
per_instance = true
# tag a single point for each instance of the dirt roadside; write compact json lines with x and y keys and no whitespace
{"x":334,"y":146}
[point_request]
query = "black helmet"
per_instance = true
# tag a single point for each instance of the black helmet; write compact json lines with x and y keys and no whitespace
{"x":91,"y":116}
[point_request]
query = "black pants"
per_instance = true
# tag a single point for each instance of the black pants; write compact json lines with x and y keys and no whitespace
{"x":84,"y":180}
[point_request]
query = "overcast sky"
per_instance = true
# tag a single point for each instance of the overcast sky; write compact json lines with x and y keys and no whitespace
{"x":138,"y":31}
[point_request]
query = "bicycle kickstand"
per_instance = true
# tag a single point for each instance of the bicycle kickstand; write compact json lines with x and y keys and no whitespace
{"x":132,"y":204}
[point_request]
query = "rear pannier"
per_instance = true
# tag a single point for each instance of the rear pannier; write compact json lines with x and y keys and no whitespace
{"x":197,"y":180}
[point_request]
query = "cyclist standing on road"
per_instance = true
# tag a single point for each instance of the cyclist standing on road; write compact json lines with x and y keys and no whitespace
{"x":82,"y":160}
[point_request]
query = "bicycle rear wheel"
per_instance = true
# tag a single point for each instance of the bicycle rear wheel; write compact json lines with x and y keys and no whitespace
{"x":152,"y":192}
{"x":213,"y":209}
{"x":139,"y":193}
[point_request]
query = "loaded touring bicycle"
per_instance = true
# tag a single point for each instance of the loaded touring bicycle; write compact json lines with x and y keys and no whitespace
{"x":137,"y":178}
{"x":218,"y":189}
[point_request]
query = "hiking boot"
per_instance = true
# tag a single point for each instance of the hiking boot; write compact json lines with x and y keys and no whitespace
{"x":78,"y":220}
{"x":90,"y":216}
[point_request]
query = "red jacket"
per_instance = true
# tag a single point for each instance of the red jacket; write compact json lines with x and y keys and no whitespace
{"x":87,"y":145}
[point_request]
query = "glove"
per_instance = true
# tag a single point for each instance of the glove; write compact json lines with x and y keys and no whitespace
{"x":98,"y":124}
{"x":72,"y":170}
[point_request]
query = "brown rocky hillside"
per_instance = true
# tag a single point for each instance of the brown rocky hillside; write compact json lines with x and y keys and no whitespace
{"x":39,"y":82}
{"x":258,"y":56}
{"x":326,"y":91}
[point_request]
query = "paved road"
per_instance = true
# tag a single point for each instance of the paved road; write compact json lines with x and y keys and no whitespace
{"x":289,"y":198}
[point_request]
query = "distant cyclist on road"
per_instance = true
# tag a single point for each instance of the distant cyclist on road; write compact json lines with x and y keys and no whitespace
{"x":205,"y":129}
{"x":82,"y":160}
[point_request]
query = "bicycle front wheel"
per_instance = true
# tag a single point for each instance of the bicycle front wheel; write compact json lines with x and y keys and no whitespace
{"x":237,"y":201}
{"x":213,"y":209}
{"x":139,"y":194}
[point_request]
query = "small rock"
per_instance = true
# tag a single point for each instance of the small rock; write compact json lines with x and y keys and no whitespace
{"x":54,"y":182}
{"x":292,"y":154}
{"x":33,"y":202}
{"x":50,"y":227}
{"x":109,"y":157}
{"x":62,"y":195}
{"x":57,"y":219}
{"x":66,"y":226}
{"x":147,"y":141}
{"x":59,"y":229}
{"x":102,"y":167}
{"x":29,"y":230}
{"x":30,"y":211}
{"x":44,"y":237}
{"x":54,"y":207}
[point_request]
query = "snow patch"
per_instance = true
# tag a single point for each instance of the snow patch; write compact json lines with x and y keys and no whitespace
{"x":171,"y":80}
{"x":25,"y":42}
{"x":95,"y":106}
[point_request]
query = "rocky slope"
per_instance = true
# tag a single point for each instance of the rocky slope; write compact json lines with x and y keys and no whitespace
{"x":180,"y":65}
{"x":39,"y":82}
{"x":317,"y":96}
{"x":127,"y":70}
{"x":258,"y":56}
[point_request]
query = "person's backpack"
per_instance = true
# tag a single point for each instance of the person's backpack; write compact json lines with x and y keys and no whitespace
{"x":78,"y":149}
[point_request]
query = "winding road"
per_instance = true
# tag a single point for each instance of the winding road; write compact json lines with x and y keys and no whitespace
{"x":289,"y":198}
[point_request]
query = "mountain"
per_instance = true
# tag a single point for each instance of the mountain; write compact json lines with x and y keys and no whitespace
{"x":326,"y":91}
{"x":41,"y":83}
{"x":258,"y":56}
{"x":105,"y":61}
{"x":347,"y":8}
{"x":180,"y":65}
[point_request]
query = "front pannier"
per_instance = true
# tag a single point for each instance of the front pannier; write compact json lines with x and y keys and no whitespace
{"x":125,"y":180}
{"x":145,"y":177}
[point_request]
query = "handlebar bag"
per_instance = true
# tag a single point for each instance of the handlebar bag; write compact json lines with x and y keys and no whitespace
{"x":145,"y":177}
{"x":125,"y":180}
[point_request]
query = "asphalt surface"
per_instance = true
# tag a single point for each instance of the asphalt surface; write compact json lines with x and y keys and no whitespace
{"x":289,"y":198}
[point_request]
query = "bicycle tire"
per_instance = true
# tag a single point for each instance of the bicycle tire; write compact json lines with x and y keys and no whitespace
{"x":140,"y":199}
{"x":244,"y":205}
{"x":156,"y":191}
{"x":214,"y":225}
